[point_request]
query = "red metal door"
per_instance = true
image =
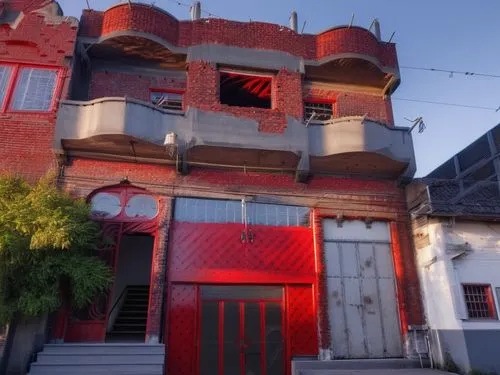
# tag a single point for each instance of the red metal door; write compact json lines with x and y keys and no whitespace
{"x":241,"y":331}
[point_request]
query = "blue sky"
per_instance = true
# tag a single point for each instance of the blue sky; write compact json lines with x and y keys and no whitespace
{"x":447,"y":34}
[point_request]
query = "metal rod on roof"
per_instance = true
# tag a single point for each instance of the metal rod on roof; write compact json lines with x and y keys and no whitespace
{"x":392,"y":36}
{"x":352,"y":20}
{"x":88,"y":4}
{"x":303,"y":27}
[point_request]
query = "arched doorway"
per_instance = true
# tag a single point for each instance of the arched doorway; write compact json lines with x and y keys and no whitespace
{"x":129,"y":220}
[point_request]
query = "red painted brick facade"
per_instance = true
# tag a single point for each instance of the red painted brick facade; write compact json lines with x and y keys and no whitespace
{"x":26,"y":138}
{"x":133,"y":86}
{"x":259,"y":35}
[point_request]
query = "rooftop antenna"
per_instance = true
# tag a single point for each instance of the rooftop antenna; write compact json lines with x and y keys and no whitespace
{"x":419,"y":121}
{"x":352,"y":20}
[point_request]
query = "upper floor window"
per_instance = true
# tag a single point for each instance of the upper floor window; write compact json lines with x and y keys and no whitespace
{"x":316,"y":110}
{"x":167,"y":99}
{"x":479,"y":301}
{"x":25,"y":88}
{"x":245,"y":90}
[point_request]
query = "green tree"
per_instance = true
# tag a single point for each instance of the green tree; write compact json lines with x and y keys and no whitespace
{"x":46,"y":241}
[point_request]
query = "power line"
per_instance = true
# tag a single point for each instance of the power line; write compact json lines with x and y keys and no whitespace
{"x":448,"y":104}
{"x":451,"y":72}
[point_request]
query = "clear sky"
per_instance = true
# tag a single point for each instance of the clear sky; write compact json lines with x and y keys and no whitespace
{"x":456,"y":35}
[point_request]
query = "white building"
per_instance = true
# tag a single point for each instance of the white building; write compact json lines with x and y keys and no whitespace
{"x":455,"y":211}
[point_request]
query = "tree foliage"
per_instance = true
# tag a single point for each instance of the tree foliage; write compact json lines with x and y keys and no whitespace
{"x":46,"y":241}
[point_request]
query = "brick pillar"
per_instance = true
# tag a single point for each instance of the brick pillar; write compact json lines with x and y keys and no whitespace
{"x":158,"y":273}
{"x":324,"y":339}
{"x":407,"y":283}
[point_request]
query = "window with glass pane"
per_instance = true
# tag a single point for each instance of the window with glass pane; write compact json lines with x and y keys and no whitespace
{"x":167,"y":100}
{"x":5,"y":73}
{"x":34,"y":89}
{"x":196,"y":210}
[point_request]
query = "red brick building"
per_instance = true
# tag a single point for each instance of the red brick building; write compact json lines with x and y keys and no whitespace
{"x":251,"y":177}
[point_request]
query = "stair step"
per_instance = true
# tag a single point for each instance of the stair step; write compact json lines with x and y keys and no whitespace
{"x":115,"y":369}
{"x":104,"y":349}
{"x":94,"y":359}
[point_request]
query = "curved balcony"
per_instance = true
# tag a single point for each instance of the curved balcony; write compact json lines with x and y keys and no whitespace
{"x":156,"y":24}
{"x":129,"y":129}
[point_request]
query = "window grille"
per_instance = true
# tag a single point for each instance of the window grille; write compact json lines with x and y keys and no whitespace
{"x":167,"y":100}
{"x":479,"y":301}
{"x":34,"y":90}
{"x":324,"y":111}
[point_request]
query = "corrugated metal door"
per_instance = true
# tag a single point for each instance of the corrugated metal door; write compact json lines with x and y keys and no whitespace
{"x":361,"y":290}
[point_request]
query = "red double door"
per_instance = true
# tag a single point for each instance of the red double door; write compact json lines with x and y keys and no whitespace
{"x":241,"y":330}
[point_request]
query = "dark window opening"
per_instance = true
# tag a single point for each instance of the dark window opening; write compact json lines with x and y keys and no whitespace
{"x":479,"y":302}
{"x":243,"y":90}
{"x":167,"y":100}
{"x":321,"y":111}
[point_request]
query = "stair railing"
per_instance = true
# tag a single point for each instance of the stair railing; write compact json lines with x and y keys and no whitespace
{"x":117,"y":302}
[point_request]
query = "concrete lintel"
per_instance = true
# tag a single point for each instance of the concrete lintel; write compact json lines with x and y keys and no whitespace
{"x":249,"y":58}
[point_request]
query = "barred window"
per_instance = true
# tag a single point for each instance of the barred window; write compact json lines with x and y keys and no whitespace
{"x":34,"y":90}
{"x":167,"y":100}
{"x":322,"y":111}
{"x":479,"y":301}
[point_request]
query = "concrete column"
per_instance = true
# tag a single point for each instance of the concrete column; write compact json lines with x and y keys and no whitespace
{"x":158,"y":273}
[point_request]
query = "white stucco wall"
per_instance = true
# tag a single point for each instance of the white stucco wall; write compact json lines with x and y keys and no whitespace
{"x":442,"y":272}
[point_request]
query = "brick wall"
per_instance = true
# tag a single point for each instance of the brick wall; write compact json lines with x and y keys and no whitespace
{"x":158,"y":272}
{"x":26,"y":138}
{"x":131,"y":85}
{"x":260,"y":35}
{"x":352,"y":198}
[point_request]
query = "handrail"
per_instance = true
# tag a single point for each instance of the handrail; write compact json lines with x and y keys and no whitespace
{"x":118,"y":300}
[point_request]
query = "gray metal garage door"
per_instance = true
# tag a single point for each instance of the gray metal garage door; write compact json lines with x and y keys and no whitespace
{"x":363,"y":315}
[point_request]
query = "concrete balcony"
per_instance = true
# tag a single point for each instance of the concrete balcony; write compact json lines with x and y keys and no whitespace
{"x":129,"y":129}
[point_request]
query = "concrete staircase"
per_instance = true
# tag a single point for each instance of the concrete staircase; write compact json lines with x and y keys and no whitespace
{"x":100,"y":359}
{"x":133,"y":314}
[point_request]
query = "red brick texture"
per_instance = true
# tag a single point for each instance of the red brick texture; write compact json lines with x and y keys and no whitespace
{"x":158,"y":272}
{"x":352,"y":198}
{"x":134,"y":86}
{"x":146,"y":19}
{"x":26,"y":138}
{"x":374,"y":106}
{"x":203,"y":93}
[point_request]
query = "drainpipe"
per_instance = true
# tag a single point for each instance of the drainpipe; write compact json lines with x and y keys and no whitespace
{"x":294,"y":21}
{"x":196,"y":11}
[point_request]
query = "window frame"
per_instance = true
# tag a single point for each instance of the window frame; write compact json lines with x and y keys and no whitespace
{"x":492,"y":309}
{"x":316,"y":100}
{"x":6,"y":106}
{"x":269,"y":75}
{"x":168,"y":91}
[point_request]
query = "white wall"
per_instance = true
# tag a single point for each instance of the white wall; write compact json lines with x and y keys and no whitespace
{"x":442,"y":272}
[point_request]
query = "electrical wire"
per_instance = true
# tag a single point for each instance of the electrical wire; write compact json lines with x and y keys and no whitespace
{"x":451,"y":72}
{"x":448,"y":104}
